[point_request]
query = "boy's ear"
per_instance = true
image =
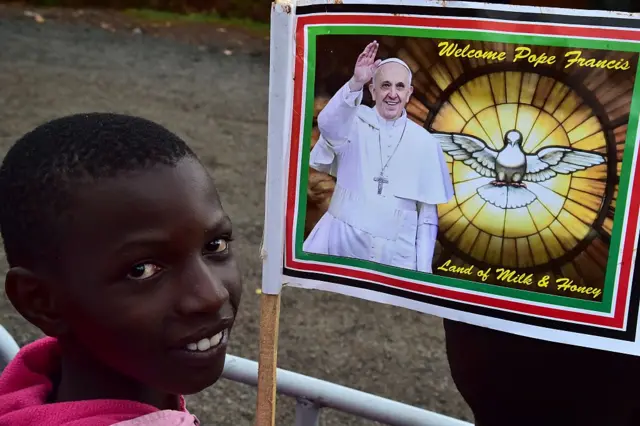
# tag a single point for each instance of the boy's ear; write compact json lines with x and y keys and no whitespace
{"x":32,"y":296}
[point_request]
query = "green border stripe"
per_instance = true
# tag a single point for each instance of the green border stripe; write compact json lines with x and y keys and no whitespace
{"x":514,"y":293}
{"x":623,"y":192}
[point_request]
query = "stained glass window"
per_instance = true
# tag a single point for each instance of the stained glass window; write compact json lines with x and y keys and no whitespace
{"x":566,"y":230}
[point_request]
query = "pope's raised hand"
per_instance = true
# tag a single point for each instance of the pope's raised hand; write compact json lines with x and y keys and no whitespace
{"x":366,"y":65}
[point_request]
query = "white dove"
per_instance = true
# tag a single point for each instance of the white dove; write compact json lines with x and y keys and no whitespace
{"x":511,"y":166}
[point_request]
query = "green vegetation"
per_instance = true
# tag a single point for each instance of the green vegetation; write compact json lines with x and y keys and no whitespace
{"x":251,"y":15}
{"x":211,"y":17}
{"x":46,"y":3}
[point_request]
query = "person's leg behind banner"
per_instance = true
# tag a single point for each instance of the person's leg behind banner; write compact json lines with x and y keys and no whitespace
{"x":510,"y":380}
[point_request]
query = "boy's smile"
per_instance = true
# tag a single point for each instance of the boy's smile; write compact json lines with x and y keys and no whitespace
{"x":147,"y":270}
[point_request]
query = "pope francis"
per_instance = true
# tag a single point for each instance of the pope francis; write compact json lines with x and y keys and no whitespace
{"x":391,"y":172}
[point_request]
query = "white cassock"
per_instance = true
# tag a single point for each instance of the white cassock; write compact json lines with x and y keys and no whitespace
{"x":399,"y":226}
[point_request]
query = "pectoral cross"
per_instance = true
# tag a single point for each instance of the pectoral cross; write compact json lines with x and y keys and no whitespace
{"x":381,"y":181}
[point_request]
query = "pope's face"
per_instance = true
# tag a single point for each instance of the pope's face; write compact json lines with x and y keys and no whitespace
{"x":391,"y":90}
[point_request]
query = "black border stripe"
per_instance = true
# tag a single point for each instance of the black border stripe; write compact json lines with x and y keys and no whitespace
{"x":505,"y":15}
{"x":614,"y":22}
{"x":628,"y":334}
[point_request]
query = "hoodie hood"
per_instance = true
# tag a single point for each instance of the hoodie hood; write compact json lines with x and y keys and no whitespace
{"x":25,"y":386}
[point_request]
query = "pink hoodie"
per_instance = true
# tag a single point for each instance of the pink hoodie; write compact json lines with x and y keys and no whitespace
{"x":25,"y":386}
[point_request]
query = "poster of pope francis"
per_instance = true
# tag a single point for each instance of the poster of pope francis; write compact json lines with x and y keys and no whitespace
{"x":474,"y":171}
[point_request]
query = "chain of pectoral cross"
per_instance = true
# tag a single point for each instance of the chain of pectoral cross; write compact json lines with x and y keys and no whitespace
{"x":381,"y":180}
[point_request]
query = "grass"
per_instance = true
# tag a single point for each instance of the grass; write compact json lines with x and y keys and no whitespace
{"x":213,"y":18}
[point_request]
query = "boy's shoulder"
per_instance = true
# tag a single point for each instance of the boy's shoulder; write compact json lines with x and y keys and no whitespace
{"x":25,"y":385}
{"x":163,"y":418}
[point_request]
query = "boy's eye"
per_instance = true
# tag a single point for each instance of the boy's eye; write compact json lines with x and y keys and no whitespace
{"x":143,"y":271}
{"x":219,"y":245}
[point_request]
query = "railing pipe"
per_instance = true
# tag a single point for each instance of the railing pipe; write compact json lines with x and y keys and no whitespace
{"x":331,"y":395}
{"x":8,"y":348}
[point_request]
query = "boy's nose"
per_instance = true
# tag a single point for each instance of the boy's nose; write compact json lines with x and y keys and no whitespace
{"x":202,"y":290}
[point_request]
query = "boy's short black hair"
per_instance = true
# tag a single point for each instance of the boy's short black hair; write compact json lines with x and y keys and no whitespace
{"x":40,"y":172}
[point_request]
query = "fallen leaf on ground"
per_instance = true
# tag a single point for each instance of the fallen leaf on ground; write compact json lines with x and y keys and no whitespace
{"x":36,"y":16}
{"x":106,"y":26}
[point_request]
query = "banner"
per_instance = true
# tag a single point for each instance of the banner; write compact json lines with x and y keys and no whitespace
{"x":487,"y":173}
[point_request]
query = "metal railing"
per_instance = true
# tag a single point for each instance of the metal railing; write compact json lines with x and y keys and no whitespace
{"x":312,"y":395}
{"x":8,"y":347}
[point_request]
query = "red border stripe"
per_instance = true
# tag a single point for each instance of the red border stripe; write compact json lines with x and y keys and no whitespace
{"x":617,"y":321}
{"x":474,"y":24}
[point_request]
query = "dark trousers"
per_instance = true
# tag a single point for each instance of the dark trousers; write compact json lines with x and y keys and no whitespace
{"x":617,"y":5}
{"x":509,"y":380}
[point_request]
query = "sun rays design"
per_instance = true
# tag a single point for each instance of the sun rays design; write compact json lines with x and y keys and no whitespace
{"x":566,"y":231}
{"x":567,"y":206}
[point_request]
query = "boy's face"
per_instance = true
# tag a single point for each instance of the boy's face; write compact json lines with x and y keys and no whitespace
{"x":148,"y":275}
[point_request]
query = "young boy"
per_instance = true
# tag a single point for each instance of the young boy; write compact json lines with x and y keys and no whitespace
{"x":119,"y":251}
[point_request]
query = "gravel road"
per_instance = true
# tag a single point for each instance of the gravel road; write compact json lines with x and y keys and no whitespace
{"x":213,"y":92}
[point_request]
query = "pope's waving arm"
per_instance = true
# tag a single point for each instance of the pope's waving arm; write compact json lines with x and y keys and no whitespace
{"x":336,"y":119}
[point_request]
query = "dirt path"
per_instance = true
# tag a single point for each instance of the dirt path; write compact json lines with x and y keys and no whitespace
{"x":211,"y":88}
